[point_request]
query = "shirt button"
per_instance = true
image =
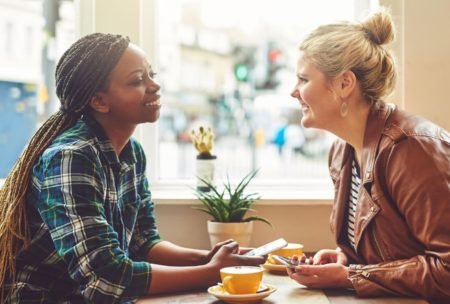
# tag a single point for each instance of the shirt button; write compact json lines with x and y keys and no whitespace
{"x":372,"y":209}
{"x":368,"y":174}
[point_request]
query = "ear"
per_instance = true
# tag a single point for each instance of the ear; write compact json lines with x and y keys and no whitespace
{"x":347,"y":83}
{"x":99,"y":103}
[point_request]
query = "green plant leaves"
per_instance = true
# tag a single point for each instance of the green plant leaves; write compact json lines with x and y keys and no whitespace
{"x":230,"y":204}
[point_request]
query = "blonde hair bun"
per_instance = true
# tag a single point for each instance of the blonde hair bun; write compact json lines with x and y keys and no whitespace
{"x":338,"y":47}
{"x":379,"y":27}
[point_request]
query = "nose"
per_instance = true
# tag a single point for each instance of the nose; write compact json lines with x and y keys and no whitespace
{"x":295,"y":93}
{"x":153,"y":85}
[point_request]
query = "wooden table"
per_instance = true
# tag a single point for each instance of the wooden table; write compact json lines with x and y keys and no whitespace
{"x":288,"y":291}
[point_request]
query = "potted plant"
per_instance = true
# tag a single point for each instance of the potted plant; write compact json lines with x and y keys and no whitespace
{"x":203,"y":140}
{"x":228,"y":208}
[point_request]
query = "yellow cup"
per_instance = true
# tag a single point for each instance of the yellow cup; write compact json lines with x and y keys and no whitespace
{"x":287,"y":252}
{"x":241,"y":279}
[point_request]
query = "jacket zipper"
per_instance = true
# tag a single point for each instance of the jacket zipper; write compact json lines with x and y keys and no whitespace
{"x":366,"y":273}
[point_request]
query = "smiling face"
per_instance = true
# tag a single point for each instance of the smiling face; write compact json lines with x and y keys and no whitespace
{"x":315,"y":93}
{"x":131,"y":96}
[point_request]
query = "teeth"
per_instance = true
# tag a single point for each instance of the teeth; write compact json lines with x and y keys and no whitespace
{"x":153,"y":103}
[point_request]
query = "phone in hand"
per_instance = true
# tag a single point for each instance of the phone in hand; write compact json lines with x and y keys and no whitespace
{"x":287,"y":261}
{"x":268,"y":248}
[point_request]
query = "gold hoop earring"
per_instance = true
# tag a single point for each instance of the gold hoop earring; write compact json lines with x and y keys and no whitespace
{"x":344,"y":109}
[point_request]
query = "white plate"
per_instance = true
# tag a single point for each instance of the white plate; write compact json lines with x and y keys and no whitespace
{"x":279,"y":269}
{"x":221,"y":294}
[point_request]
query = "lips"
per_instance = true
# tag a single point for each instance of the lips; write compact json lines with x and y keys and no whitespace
{"x":155,"y":102}
{"x":304,"y":106}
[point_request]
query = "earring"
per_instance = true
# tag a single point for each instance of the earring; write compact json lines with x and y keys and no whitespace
{"x":344,"y":109}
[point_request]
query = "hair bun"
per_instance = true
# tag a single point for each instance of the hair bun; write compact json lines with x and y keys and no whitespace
{"x":379,"y":27}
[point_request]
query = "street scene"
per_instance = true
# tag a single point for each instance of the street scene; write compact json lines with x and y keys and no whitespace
{"x":220,"y":64}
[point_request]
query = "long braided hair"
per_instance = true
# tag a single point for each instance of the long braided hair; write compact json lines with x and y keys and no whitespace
{"x":82,"y":71}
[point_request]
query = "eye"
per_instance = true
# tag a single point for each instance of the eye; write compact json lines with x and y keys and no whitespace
{"x":302,"y":79}
{"x":152,"y":74}
{"x":137,"y":81}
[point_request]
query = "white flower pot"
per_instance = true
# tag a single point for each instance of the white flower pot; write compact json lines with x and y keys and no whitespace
{"x":205,"y":168}
{"x":240,"y":232}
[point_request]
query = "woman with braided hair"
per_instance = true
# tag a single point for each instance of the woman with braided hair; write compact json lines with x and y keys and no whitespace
{"x":390,"y":169}
{"x":76,"y":218}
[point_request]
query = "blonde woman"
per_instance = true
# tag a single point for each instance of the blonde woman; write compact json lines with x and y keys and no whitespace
{"x":391,"y":169}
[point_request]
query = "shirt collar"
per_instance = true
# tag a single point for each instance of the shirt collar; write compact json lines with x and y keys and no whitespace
{"x":126,"y":157}
{"x":343,"y":152}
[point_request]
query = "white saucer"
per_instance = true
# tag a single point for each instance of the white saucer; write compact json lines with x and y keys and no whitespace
{"x":278,"y":269}
{"x":221,"y":294}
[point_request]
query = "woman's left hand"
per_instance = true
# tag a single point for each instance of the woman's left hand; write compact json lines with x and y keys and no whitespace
{"x":214,"y":250}
{"x":331,"y":275}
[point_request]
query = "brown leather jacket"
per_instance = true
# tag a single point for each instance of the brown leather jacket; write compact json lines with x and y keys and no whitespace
{"x":402,"y":227}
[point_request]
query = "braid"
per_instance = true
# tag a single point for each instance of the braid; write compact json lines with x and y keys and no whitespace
{"x":82,"y":71}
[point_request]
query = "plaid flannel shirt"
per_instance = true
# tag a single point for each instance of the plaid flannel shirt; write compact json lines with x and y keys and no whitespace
{"x":92,"y":222}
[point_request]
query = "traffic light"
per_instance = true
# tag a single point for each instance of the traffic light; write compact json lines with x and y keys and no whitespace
{"x":241,"y":72}
{"x":274,"y":55}
{"x":274,"y":64}
{"x":244,"y":63}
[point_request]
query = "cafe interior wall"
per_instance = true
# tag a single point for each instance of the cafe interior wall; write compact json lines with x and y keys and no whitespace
{"x":422,"y":50}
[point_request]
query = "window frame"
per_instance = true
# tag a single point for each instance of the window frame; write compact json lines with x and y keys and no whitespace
{"x":142,"y":30}
{"x":171,"y":191}
{"x":176,"y":191}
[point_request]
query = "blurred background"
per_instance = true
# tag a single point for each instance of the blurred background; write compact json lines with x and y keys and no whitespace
{"x":225,"y":64}
{"x":229,"y":65}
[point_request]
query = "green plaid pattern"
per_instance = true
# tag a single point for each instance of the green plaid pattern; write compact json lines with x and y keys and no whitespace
{"x":92,"y":222}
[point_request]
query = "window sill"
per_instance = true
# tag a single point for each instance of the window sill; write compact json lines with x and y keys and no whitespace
{"x":272,"y":193}
{"x":290,"y":193}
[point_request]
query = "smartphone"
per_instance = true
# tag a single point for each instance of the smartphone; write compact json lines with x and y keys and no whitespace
{"x":287,"y":261}
{"x":268,"y":248}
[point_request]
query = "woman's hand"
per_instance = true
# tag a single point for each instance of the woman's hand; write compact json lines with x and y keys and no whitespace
{"x":170,"y":278}
{"x":227,"y":254}
{"x":244,"y":250}
{"x":331,"y":275}
{"x":216,"y":248}
{"x":327,"y":269}
{"x":327,"y":256}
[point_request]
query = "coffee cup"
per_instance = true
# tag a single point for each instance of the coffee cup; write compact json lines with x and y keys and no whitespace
{"x":241,"y":279}
{"x":290,"y":250}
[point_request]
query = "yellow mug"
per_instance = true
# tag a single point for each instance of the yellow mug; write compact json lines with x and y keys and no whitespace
{"x":287,"y":252}
{"x":241,"y":279}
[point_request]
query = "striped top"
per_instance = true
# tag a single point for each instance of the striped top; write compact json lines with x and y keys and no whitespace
{"x":353,"y":197}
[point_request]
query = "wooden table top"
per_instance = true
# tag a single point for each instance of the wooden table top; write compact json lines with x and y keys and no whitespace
{"x":288,"y":291}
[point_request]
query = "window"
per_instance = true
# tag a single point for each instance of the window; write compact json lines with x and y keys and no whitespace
{"x":231,"y":65}
{"x":8,"y":38}
{"x":27,"y":71}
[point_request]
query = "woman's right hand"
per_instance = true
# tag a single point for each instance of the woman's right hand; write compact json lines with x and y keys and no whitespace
{"x":327,"y":256}
{"x":228,"y":255}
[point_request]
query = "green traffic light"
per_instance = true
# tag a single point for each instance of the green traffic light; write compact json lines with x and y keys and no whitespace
{"x":241,"y":72}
